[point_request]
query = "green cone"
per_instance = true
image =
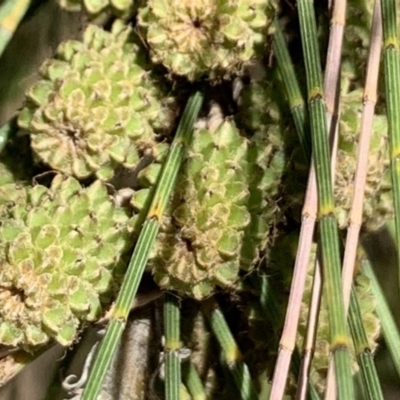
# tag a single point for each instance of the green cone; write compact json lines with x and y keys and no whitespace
{"x":60,"y":252}
{"x":220,"y":217}
{"x":97,"y":106}
{"x":206,"y":38}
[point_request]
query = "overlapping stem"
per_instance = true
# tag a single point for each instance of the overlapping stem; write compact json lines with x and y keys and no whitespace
{"x":310,"y":206}
{"x":288,"y":338}
{"x":141,"y":253}
{"x":389,"y":328}
{"x":392,"y":85}
{"x":231,"y":352}
{"x":292,"y":89}
{"x":369,"y":376}
{"x":355,"y":217}
{"x":172,"y":346}
{"x":192,"y":380}
{"x":328,"y":228}
{"x":270,"y":307}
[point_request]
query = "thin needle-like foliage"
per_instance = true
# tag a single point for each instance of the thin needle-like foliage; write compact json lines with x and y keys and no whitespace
{"x":230,"y":352}
{"x":355,"y":216}
{"x":369,"y":376}
{"x":328,"y":229}
{"x":292,"y":88}
{"x":288,"y":338}
{"x":193,"y":382}
{"x":171,"y":347}
{"x":310,"y":206}
{"x":309,"y":340}
{"x":369,"y":100}
{"x":392,"y":84}
{"x":389,"y":327}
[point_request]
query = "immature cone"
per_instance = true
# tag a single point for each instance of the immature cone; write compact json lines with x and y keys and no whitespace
{"x":60,"y":251}
{"x":206,"y":38}
{"x":96,"y":105}
{"x":378,"y":164}
{"x":94,"y":7}
{"x":220,"y":216}
{"x":261,"y":107}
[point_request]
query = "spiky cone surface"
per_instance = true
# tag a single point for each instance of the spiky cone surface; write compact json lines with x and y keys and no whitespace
{"x":219,"y":218}
{"x":382,"y":204}
{"x":61,"y":254}
{"x":207,"y":38}
{"x":97,"y":105}
{"x":367,"y":302}
{"x":121,"y":8}
{"x":378,"y":165}
{"x":260,"y":116}
{"x":260,"y":106}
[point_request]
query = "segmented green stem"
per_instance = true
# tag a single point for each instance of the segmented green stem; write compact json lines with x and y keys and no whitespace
{"x":292,"y":88}
{"x":231,"y":353}
{"x":193,"y":382}
{"x":392,"y":85}
{"x":355,"y":216}
{"x":389,"y":328}
{"x":11,"y":14}
{"x":171,"y":347}
{"x":328,"y":229}
{"x":141,"y":253}
{"x":298,"y":107}
{"x":369,"y":376}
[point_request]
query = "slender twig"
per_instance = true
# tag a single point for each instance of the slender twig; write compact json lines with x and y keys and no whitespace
{"x":292,"y":88}
{"x":392,"y":84}
{"x":193,"y":382}
{"x":355,"y":216}
{"x":369,"y":376}
{"x":308,"y":222}
{"x":230,"y":351}
{"x":389,"y":327}
{"x":328,"y":229}
{"x":171,"y":347}
{"x":143,"y":246}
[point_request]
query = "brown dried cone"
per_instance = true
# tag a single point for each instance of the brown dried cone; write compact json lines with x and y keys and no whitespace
{"x":61,"y":252}
{"x":376,"y":189}
{"x":98,"y":105}
{"x":219,"y":219}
